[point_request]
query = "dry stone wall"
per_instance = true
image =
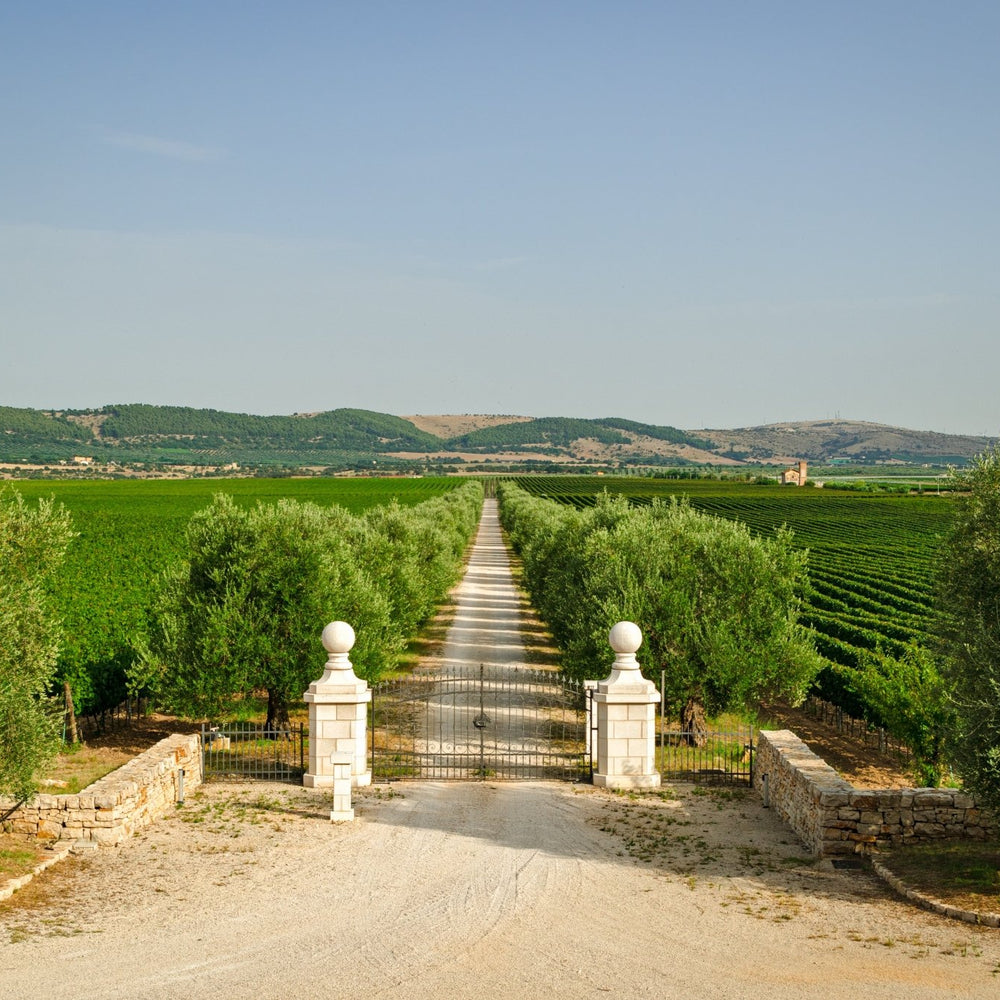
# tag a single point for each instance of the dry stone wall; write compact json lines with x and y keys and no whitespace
{"x":833,"y":818}
{"x":122,"y":802}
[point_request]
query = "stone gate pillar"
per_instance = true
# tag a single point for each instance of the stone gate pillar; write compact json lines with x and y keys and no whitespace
{"x":625,"y":703}
{"x":338,"y":713}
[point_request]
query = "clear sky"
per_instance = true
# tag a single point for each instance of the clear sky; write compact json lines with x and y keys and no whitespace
{"x":697,"y":213}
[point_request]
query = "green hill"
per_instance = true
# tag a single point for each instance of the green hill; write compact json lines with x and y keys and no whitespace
{"x":344,"y":439}
{"x":138,"y":432}
{"x":553,"y":435}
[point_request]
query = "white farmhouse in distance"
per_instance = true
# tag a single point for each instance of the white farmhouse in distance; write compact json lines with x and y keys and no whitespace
{"x":795,"y":477}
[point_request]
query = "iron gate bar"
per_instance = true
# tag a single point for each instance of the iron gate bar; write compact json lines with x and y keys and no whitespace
{"x":531,"y":725}
{"x":726,"y":755}
{"x":249,"y":750}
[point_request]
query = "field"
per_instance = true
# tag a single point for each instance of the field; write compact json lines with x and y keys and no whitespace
{"x":131,"y":531}
{"x":871,"y":556}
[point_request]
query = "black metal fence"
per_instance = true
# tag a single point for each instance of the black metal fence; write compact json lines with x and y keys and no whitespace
{"x":248,"y":750}
{"x":480,"y":723}
{"x":722,"y":755}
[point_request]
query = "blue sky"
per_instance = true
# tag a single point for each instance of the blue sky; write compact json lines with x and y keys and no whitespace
{"x":702,"y":214}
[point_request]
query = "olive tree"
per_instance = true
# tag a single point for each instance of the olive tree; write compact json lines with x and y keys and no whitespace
{"x":969,"y":577}
{"x":33,"y":541}
{"x":718,"y":607}
{"x":245,"y":610}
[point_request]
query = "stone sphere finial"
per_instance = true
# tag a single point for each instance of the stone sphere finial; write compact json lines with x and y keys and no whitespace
{"x":625,"y":637}
{"x":338,"y":637}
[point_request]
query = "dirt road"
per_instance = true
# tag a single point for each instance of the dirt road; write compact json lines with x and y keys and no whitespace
{"x":489,"y":712}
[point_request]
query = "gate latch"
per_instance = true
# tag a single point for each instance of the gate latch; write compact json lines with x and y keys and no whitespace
{"x":481,"y":721}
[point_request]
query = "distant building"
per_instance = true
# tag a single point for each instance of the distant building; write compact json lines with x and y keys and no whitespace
{"x":795,"y":477}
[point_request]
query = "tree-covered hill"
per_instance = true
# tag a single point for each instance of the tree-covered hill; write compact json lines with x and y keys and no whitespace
{"x":354,"y":439}
{"x":138,"y":432}
{"x":21,"y":427}
{"x":555,"y":433}
{"x":337,"y":430}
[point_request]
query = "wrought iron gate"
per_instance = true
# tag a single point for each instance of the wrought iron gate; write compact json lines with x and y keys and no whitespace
{"x":242,"y":750}
{"x":484,"y":723}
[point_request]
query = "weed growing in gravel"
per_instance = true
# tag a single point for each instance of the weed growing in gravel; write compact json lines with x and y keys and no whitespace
{"x":16,"y":860}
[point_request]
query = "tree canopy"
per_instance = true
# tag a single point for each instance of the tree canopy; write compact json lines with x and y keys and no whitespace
{"x":970,"y":627}
{"x":245,"y":609}
{"x":33,"y":541}
{"x":717,"y":605}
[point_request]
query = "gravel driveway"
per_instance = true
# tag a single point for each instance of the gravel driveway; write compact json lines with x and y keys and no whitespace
{"x":472,"y":889}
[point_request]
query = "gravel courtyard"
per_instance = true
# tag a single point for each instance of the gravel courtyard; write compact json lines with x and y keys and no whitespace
{"x":476,"y":889}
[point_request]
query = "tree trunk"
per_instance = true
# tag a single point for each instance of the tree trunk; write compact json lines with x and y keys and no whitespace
{"x":70,"y":714}
{"x":277,"y":713}
{"x":693,"y":723}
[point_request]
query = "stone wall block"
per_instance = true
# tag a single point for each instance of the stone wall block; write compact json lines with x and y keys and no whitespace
{"x":826,"y":812}
{"x":862,"y":838}
{"x":107,"y":836}
{"x":932,"y":798}
{"x":864,"y":801}
{"x":830,"y":799}
{"x":948,"y":815}
{"x":49,"y":829}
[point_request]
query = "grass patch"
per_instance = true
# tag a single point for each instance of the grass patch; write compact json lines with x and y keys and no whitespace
{"x":963,"y":874}
{"x":18,"y":856}
{"x":79,"y":766}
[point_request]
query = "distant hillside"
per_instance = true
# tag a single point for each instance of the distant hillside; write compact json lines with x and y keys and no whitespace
{"x":854,"y":440}
{"x":559,"y":433}
{"x":182,"y":435}
{"x":336,"y":430}
{"x":450,"y":425}
{"x":358,"y":439}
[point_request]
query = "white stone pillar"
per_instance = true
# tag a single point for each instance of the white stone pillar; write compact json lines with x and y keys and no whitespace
{"x":338,"y":714}
{"x":342,"y":811}
{"x":625,"y":703}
